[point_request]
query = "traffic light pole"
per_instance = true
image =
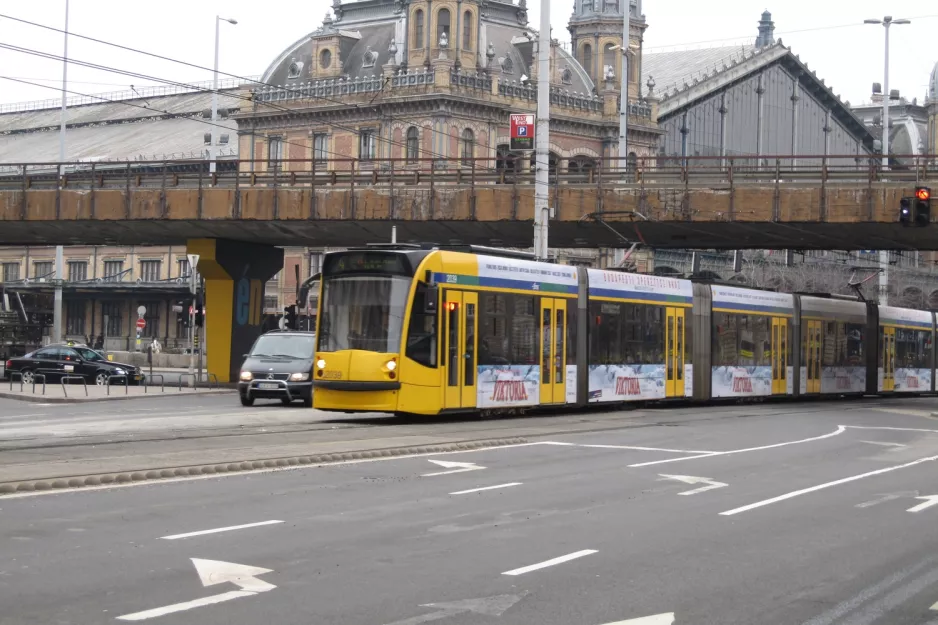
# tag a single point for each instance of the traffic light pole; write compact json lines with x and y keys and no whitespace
{"x":201,"y":331}
{"x":194,"y":287}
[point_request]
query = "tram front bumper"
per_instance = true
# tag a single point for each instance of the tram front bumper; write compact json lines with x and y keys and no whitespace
{"x":351,"y":396}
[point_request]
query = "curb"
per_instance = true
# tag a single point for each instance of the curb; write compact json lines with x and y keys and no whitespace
{"x":44,"y":399}
{"x":151,"y":475}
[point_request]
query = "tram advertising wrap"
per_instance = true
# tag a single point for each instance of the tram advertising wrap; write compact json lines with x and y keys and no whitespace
{"x":428,"y":329}
{"x":910,"y":344}
{"x":630,"y":355}
{"x":750,"y":342}
{"x":511,"y":384}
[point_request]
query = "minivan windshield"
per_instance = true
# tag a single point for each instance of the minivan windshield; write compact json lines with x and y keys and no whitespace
{"x":285,"y":346}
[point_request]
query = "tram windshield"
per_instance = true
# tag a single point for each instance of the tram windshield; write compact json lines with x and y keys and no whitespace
{"x":363,"y":312}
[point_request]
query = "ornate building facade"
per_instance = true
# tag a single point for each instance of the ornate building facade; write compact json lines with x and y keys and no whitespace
{"x":436,"y":80}
{"x":932,"y":105}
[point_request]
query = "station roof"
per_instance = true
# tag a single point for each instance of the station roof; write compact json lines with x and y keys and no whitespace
{"x":149,"y":126}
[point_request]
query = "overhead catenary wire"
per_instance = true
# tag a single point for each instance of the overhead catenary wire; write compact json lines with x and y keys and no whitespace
{"x":190,"y":87}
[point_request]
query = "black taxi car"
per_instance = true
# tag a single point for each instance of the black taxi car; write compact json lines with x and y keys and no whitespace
{"x":56,"y":361}
{"x":279,"y":366}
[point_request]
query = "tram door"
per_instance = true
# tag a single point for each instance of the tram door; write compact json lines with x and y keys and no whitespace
{"x":460,"y":320}
{"x":887,"y":349}
{"x":674,"y":352}
{"x":779,"y":356}
{"x":553,"y":332}
{"x":813,"y":355}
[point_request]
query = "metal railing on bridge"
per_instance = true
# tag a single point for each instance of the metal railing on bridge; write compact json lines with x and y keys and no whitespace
{"x":660,"y":172}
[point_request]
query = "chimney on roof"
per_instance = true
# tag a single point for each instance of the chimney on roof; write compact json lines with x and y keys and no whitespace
{"x":766,"y":36}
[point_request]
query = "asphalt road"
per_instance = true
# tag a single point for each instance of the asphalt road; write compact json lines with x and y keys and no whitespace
{"x":792,"y":514}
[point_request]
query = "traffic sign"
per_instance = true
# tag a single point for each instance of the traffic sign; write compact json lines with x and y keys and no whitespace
{"x":522,"y":131}
{"x":141,"y":323}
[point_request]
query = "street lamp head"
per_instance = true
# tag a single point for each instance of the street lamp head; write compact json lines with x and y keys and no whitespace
{"x":872,"y":21}
{"x":225,"y":19}
{"x":901,"y":21}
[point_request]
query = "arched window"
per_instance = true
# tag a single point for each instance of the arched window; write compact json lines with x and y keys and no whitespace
{"x":413,"y":145}
{"x":442,"y":26}
{"x":468,"y":147}
{"x":588,"y":59}
{"x":609,"y":61}
{"x":467,"y":30}
{"x":418,"y":29}
{"x":632,"y":162}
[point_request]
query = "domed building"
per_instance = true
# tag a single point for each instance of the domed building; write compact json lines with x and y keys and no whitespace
{"x":436,"y":80}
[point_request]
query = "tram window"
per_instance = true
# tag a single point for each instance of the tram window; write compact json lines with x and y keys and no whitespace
{"x":421,"y":332}
{"x":830,"y":344}
{"x":761,"y":337}
{"x":724,"y":340}
{"x":524,"y":331}
{"x":452,"y":327}
{"x":493,"y":329}
{"x":545,"y":345}
{"x":571,"y":331}
{"x":469,"y":378}
{"x":853,"y":345}
{"x":653,"y":348}
{"x":558,"y":348}
{"x":508,"y":326}
{"x":912,"y":349}
{"x":626,"y":334}
{"x":688,"y":336}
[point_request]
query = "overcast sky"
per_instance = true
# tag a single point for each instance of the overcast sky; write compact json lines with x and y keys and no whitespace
{"x":828,"y":34}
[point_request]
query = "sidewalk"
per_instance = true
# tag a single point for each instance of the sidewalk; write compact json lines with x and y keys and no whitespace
{"x":76,"y":393}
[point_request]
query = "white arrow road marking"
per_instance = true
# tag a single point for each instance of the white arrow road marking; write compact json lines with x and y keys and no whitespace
{"x":930,"y":500}
{"x":487,"y":606}
{"x":657,"y":619}
{"x":544,"y":565}
{"x":477,"y":490}
{"x":690,"y":479}
{"x":219,"y":529}
{"x":887,"y":497}
{"x":456,"y":467}
{"x":213,"y":572}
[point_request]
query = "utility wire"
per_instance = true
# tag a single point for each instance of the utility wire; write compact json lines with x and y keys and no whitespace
{"x":777,"y":34}
{"x":195,"y":88}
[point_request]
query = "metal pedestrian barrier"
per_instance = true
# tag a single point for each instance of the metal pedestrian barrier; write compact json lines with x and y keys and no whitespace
{"x":146,"y":382}
{"x":126,"y":383}
{"x":74,"y":377}
{"x":38,"y":375}
{"x":182,"y":376}
{"x":12,"y":373}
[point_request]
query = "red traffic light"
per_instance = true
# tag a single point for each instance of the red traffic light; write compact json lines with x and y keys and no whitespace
{"x":923,"y":193}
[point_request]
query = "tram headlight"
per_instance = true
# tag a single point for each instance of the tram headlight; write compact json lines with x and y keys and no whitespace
{"x":320,"y":364}
{"x":391,"y":365}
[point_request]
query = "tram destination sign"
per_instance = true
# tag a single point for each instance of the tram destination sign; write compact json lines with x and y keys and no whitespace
{"x":522,"y":132}
{"x":365,"y":262}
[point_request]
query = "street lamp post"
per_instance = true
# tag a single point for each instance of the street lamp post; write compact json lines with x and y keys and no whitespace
{"x":211,"y":148}
{"x":886,"y":22}
{"x":59,"y":250}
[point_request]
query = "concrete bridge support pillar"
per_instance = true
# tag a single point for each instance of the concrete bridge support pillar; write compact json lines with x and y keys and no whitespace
{"x":235,"y":275}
